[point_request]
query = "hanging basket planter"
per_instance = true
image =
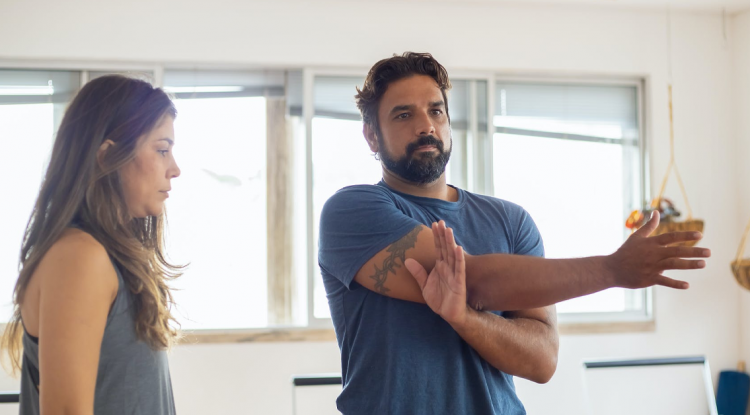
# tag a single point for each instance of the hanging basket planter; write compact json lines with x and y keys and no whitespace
{"x":741,"y":266}
{"x":669,"y":224}
{"x":666,"y":208}
{"x":691,"y":225}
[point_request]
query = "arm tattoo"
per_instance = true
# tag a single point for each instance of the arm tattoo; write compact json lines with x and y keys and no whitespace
{"x":397,"y":250}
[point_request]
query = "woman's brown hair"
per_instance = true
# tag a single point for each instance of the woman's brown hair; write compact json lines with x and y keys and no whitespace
{"x":84,"y":190}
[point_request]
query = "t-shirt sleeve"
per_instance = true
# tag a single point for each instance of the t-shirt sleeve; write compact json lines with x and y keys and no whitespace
{"x":528,"y":239}
{"x":356,"y":223}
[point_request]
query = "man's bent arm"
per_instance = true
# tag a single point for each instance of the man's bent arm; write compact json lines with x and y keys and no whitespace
{"x":523,"y":344}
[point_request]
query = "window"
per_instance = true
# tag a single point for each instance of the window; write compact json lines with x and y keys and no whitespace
{"x":570,"y":154}
{"x":262,"y":150}
{"x":32,"y":104}
{"x":218,"y":217}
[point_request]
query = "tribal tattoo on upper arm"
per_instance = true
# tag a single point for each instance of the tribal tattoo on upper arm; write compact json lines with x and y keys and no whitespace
{"x":397,"y":250}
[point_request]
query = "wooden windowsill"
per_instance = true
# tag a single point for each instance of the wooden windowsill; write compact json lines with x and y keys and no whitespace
{"x":303,"y":334}
{"x":276,"y":335}
{"x":607,"y":327}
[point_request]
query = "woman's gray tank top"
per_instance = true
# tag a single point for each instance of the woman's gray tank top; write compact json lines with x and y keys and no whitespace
{"x":132,"y":379}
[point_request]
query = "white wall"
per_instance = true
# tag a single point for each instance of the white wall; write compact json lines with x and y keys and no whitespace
{"x":741,"y":83}
{"x":253,"y":378}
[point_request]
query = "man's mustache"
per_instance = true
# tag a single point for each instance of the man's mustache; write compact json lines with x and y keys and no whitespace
{"x":425,"y":140}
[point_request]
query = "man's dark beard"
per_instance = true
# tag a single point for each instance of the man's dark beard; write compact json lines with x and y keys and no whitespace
{"x":425,"y":168}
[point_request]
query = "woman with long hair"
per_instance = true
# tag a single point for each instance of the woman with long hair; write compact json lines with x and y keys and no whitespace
{"x":92,"y":319}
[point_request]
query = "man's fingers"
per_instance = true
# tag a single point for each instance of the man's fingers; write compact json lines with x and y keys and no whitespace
{"x":675,"y":263}
{"x":675,"y":237}
{"x":668,"y":282}
{"x":459,"y":269}
{"x":450,"y":247}
{"x":443,"y":245}
{"x":650,"y":226}
{"x":436,"y":237}
{"x":417,"y":271}
{"x":685,"y":252}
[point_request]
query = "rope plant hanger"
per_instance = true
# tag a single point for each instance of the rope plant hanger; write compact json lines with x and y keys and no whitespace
{"x":740,"y":266}
{"x":666,"y":208}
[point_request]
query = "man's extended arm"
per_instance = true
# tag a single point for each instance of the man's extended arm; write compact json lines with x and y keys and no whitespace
{"x":514,"y":282}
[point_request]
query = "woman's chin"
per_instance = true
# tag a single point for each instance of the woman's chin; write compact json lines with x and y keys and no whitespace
{"x":147,"y":212}
{"x":156,"y":211}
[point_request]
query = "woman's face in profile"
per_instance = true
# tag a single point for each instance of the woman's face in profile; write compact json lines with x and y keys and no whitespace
{"x":146,"y":179}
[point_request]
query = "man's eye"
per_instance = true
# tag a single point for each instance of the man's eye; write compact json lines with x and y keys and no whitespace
{"x":163,"y":152}
{"x":437,"y":112}
{"x":402,"y":116}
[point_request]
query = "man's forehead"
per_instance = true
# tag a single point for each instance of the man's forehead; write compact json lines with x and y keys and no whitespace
{"x":418,"y":89}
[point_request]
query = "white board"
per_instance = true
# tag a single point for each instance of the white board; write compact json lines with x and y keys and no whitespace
{"x":650,"y":389}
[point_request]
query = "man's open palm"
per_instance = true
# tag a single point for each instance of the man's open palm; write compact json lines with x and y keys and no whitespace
{"x":444,"y":288}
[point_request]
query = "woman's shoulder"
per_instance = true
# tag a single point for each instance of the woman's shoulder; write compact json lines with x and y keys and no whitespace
{"x":78,"y":258}
{"x":76,"y":245}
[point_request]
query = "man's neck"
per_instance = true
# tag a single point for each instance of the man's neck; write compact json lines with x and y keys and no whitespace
{"x":438,"y":189}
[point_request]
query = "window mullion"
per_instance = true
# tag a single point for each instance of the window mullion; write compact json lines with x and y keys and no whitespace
{"x":279,"y":191}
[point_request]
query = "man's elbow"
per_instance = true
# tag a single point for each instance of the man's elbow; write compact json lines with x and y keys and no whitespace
{"x":545,"y":375}
{"x":545,"y":369}
{"x":474,"y":299}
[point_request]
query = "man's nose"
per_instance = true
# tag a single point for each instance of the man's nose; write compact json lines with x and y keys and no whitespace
{"x":424,"y":125}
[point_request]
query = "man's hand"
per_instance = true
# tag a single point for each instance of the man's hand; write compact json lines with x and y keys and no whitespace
{"x":523,"y":345}
{"x":444,"y":289}
{"x":640,"y":261}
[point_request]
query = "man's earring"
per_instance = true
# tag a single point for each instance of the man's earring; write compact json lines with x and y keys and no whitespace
{"x":377,"y":156}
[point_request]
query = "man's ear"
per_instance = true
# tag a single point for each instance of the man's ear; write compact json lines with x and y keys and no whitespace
{"x":371,"y":137}
{"x":103,"y":150}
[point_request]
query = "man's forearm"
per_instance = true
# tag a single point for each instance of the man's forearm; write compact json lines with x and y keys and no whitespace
{"x":514,"y":282}
{"x":522,"y":347}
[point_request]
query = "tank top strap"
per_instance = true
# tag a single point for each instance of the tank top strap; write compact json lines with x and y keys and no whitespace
{"x":122,"y":300}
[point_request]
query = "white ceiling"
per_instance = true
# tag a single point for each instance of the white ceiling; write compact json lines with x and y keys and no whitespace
{"x":715,"y":6}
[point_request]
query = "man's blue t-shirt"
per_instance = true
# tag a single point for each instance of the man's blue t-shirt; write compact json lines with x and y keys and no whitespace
{"x":399,"y":357}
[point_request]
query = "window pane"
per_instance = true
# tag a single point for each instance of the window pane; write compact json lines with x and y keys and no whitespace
{"x":568,"y":155}
{"x":31,"y":105}
{"x":341,"y":156}
{"x":38,"y":86}
{"x":184,"y":83}
{"x":217,"y":213}
{"x":573,"y":191}
{"x":147,"y":76}
{"x":28,"y":129}
{"x":467,"y":107}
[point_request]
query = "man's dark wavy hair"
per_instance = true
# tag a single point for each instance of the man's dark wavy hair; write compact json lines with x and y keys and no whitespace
{"x":393,"y":69}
